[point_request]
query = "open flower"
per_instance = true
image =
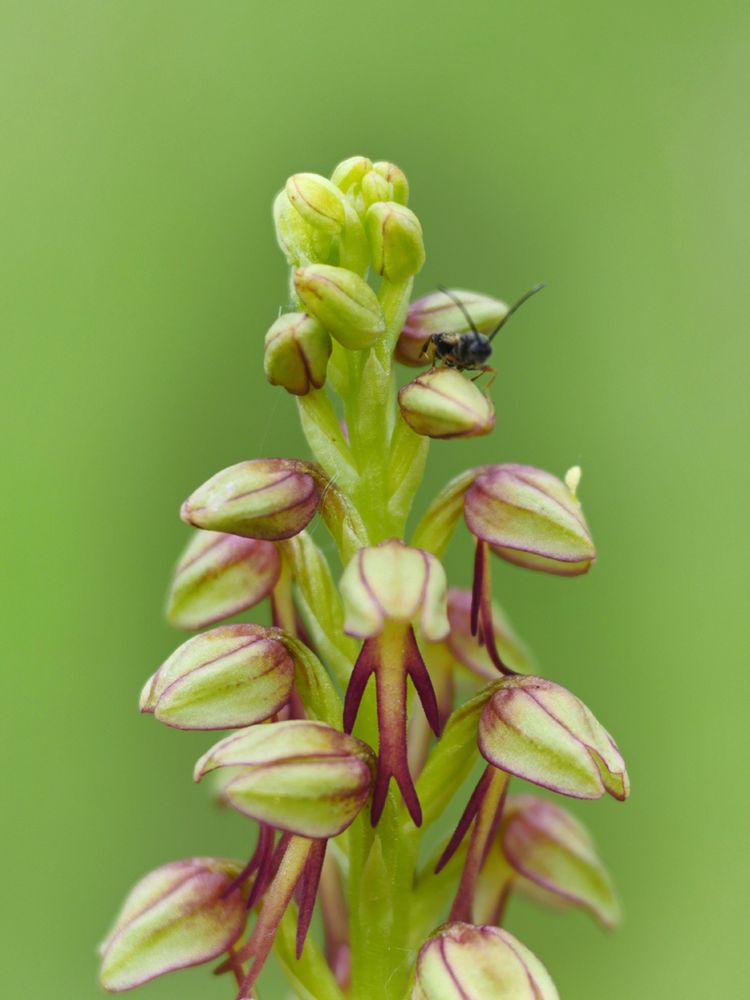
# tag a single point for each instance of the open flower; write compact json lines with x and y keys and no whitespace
{"x":530,"y":518}
{"x":539,"y":731}
{"x":463,"y":961}
{"x":309,"y":781}
{"x":219,"y":575}
{"x":386,"y":588}
{"x":439,"y":313}
{"x":554,"y":858}
{"x":183,"y":913}
{"x":270,"y":498}
{"x":234,"y":675}
{"x":469,"y":653}
{"x":536,"y":730}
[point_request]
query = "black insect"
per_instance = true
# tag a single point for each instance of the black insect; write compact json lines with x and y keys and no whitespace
{"x":469,"y":351}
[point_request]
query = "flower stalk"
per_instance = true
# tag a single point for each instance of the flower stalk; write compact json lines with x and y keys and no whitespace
{"x":384,"y":673}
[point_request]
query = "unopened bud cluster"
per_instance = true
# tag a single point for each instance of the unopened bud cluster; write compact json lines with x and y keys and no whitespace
{"x":351,"y":714}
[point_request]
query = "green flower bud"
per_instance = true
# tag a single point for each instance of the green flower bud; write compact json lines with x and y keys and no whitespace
{"x":375,"y":188}
{"x":393,"y":582}
{"x":218,"y":576}
{"x":179,"y":915}
{"x":269,"y":498}
{"x":468,"y":652}
{"x":530,"y":518}
{"x":232,"y":676}
{"x":297,"y":353}
{"x":556,"y":858}
{"x":299,"y":776}
{"x":541,"y":732}
{"x":395,"y":236}
{"x":300,"y":242}
{"x":441,"y":403}
{"x":396,"y":178}
{"x":438,"y":313}
{"x":463,"y":961}
{"x":343,"y":302}
{"x":350,"y":172}
{"x":318,"y":201}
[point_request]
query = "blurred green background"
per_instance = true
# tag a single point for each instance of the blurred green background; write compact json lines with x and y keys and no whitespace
{"x":601,"y":148}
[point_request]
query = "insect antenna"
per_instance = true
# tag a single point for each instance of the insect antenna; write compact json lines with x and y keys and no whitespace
{"x":461,"y":306}
{"x":514,"y":307}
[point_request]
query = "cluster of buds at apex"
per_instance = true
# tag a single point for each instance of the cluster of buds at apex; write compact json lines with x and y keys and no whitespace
{"x":554,"y":858}
{"x":395,"y":237}
{"x":469,"y":653}
{"x":439,"y":313}
{"x":219,"y":575}
{"x":463,"y":961}
{"x":182,"y":914}
{"x":365,"y":183}
{"x":529,"y":518}
{"x":305,"y":779}
{"x":342,"y":302}
{"x":386,"y":588}
{"x":268,"y":498}
{"x":234,"y":675}
{"x":539,"y":731}
{"x":297,"y":353}
{"x":442,"y":403}
{"x":318,"y":201}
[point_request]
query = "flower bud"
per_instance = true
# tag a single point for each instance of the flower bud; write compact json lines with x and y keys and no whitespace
{"x":350,"y":172}
{"x":396,"y":178}
{"x":395,"y":236}
{"x":299,"y":776}
{"x":463,"y":961}
{"x":343,"y":302}
{"x":318,"y":201}
{"x":530,"y":518}
{"x":269,"y":498}
{"x":438,"y":313}
{"x":394,"y":582}
{"x":441,"y":403}
{"x":468,"y":652}
{"x":375,"y":188}
{"x":179,"y":915}
{"x":297,"y":353}
{"x":299,"y":242}
{"x":232,"y":676}
{"x":541,"y":732}
{"x":218,"y":576}
{"x":556,"y":858}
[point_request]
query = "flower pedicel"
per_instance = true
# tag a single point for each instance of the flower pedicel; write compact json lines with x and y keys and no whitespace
{"x":318,"y":706}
